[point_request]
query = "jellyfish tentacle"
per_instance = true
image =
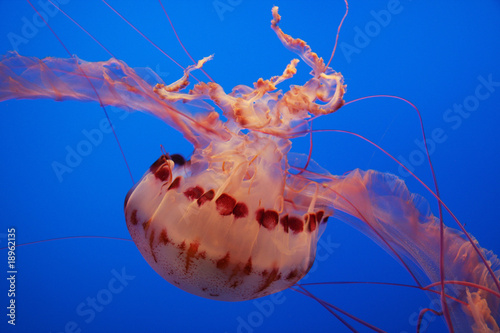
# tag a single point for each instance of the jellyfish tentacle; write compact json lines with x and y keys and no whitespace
{"x":116,"y":84}
{"x":332,"y":308}
{"x":297,"y":45}
{"x":326,"y":85}
{"x":380,"y":206}
{"x":143,"y":35}
{"x":166,"y":91}
{"x":179,"y":39}
{"x":338,"y":33}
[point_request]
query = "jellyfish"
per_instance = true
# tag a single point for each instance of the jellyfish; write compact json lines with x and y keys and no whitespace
{"x":249,"y":154}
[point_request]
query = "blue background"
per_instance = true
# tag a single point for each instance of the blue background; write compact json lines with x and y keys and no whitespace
{"x":430,"y":53}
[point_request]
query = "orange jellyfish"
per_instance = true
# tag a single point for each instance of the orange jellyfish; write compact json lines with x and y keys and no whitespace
{"x":242,"y":217}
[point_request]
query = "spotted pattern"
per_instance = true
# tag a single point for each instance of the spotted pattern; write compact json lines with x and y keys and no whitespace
{"x":133,"y":217}
{"x":292,"y":275}
{"x":157,"y":164}
{"x":190,"y":252}
{"x":269,"y":277}
{"x":194,"y":192}
{"x":225,"y":204}
{"x":310,"y":220}
{"x":163,"y":173}
{"x":248,"y":267}
{"x":319,"y":216}
{"x":207,"y":196}
{"x":224,"y":262}
{"x":164,"y":237}
{"x":178,"y":159}
{"x":175,"y":184}
{"x":146,"y":224}
{"x":292,"y":224}
{"x":240,"y":210}
{"x":161,"y":169}
{"x":267,"y":218}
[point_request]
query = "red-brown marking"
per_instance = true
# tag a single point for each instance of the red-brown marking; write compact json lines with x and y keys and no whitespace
{"x":311,"y":221}
{"x":325,"y":219}
{"x":284,"y":223}
{"x":267,"y":218}
{"x":151,"y":240}
{"x":193,"y":193}
{"x":191,"y":253}
{"x":163,"y":173}
{"x":269,"y":278}
{"x":319,"y":216}
{"x":175,"y":184}
{"x":207,"y":196}
{"x":146,"y":224}
{"x":259,"y":215}
{"x":292,"y":275}
{"x":164,"y":237}
{"x":178,"y":159}
{"x":234,"y":273}
{"x":158,"y":163}
{"x":292,"y":223}
{"x":224,"y":262}
{"x":248,"y":267}
{"x":133,"y":217}
{"x":240,"y":210}
{"x":225,"y":204}
{"x":235,"y":284}
{"x":295,"y":224}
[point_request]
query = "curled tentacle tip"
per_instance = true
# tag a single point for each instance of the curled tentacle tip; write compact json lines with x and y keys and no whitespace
{"x":276,"y":17}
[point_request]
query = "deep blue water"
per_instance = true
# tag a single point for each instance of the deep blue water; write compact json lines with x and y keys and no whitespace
{"x":433,"y":54}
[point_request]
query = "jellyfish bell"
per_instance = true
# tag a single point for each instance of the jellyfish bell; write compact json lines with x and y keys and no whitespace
{"x":231,"y":225}
{"x":223,"y":235}
{"x":241,"y":218}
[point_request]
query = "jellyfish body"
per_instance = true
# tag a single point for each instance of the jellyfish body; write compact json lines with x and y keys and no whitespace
{"x":203,"y":229}
{"x":236,"y":222}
